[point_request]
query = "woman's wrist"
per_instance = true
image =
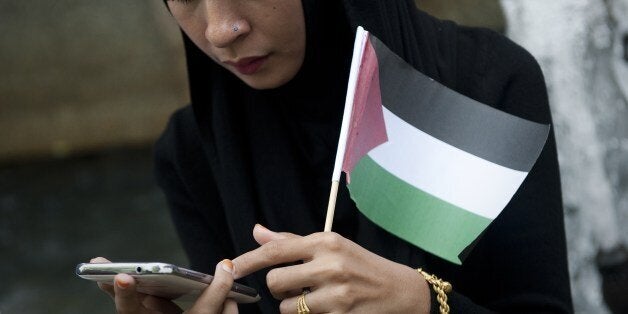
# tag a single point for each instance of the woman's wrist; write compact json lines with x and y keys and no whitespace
{"x":416,"y":292}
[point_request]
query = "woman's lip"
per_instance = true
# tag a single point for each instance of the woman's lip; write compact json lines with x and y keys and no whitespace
{"x":248,"y":65}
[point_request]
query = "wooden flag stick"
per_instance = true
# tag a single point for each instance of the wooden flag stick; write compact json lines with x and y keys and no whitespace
{"x":331,"y":207}
{"x":358,"y":50}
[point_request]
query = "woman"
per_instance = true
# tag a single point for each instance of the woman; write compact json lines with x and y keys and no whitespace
{"x":268,"y":80}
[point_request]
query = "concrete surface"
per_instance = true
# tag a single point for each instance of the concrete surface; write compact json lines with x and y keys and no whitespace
{"x":58,"y":213}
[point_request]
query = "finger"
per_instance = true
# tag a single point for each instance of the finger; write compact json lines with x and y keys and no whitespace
{"x":292,"y":293}
{"x":283,"y":282}
{"x":213,"y":298}
{"x":231,"y":307}
{"x":264,"y":235}
{"x":314,"y":300}
{"x":160,"y":305}
{"x":287,"y":294}
{"x":99,"y":260}
{"x":126,"y":297}
{"x":273,"y":253}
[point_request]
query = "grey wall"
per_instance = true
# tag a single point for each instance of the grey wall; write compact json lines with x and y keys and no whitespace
{"x":83,"y":75}
{"x":484,"y":13}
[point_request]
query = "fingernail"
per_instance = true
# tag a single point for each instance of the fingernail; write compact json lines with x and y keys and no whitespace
{"x":227,"y":265}
{"x":260,"y":226}
{"x":122,"y":284}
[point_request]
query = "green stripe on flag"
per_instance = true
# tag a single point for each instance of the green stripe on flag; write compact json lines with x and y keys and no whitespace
{"x":413,"y":214}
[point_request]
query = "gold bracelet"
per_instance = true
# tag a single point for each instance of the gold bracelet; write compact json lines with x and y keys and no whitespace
{"x":441,"y":287}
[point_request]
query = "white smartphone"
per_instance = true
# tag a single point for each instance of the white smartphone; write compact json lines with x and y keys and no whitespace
{"x":163,"y":280}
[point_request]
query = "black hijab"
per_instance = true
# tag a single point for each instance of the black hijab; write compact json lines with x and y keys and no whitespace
{"x":267,"y":156}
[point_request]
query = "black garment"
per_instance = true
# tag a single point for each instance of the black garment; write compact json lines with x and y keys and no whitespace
{"x":239,"y":156}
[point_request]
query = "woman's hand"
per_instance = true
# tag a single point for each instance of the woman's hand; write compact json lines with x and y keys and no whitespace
{"x":342,"y":276}
{"x":212,"y":300}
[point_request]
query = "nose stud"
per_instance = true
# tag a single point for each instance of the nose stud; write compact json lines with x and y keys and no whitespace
{"x":235,"y":27}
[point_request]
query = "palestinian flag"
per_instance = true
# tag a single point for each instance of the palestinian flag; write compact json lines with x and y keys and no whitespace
{"x":426,"y":163}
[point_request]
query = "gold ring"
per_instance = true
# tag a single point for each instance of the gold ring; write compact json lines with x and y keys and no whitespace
{"x":301,"y":305}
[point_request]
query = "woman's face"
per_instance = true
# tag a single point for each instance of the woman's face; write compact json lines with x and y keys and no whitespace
{"x":262,"y":42}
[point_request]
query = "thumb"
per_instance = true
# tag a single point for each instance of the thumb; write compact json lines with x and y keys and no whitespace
{"x":126,"y":297}
{"x":263,"y":235}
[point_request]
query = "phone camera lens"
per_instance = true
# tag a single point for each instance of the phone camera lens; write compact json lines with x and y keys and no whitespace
{"x":138,"y":269}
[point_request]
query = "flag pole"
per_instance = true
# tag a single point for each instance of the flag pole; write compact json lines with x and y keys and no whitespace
{"x":358,"y":50}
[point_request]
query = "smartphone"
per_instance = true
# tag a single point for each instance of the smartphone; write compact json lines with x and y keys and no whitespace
{"x":163,"y":280}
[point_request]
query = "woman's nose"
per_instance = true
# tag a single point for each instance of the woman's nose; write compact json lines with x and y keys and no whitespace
{"x":224,"y":23}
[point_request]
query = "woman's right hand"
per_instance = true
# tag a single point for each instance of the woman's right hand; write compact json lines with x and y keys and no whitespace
{"x":212,"y":300}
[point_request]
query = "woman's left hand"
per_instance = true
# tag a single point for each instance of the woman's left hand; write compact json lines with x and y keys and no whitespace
{"x":343,"y":277}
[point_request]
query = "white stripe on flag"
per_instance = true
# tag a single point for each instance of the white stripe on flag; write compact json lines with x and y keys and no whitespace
{"x":445,"y":171}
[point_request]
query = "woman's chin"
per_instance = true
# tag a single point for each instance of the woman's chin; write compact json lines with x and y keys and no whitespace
{"x":262,"y":82}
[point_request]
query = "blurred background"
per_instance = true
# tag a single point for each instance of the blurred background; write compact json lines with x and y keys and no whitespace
{"x":87,"y":86}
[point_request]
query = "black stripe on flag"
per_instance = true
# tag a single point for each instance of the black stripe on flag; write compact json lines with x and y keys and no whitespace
{"x":453,"y":118}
